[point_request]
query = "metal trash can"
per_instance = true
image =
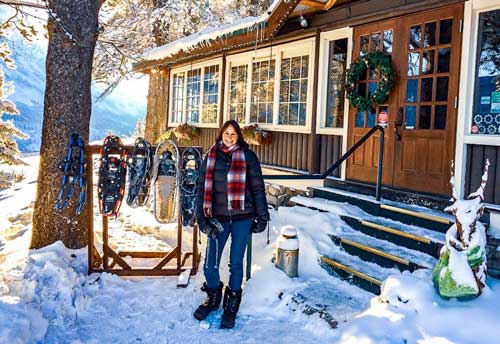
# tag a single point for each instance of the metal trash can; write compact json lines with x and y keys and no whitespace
{"x":287,"y":251}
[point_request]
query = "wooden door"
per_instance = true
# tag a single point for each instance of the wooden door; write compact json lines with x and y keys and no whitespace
{"x":364,"y":162}
{"x":425,"y":142}
{"x":420,"y":138}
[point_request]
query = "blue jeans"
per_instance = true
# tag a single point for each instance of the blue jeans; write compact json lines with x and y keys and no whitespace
{"x":240,"y":231}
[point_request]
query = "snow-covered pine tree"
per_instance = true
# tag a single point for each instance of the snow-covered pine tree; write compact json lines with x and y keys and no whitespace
{"x":9,"y":151}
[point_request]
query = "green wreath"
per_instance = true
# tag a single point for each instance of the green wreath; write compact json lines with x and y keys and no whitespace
{"x":357,"y":69}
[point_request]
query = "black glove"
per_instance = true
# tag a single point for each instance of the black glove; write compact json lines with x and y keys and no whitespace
{"x":259,"y":225}
{"x":210,"y":226}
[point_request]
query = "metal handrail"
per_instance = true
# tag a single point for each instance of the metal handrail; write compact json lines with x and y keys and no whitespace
{"x":344,"y":157}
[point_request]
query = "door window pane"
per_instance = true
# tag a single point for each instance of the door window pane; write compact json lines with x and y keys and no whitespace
{"x":388,"y":40}
{"x":363,"y":45}
{"x":415,"y":37}
{"x":444,"y":60}
{"x":410,"y":117}
{"x":261,"y":105}
{"x":375,"y":44}
{"x":413,"y":64}
{"x":335,"y":90}
{"x":294,"y":84}
{"x":440,"y":117}
{"x":442,"y":89}
{"x":430,"y":34}
{"x":238,"y":93}
{"x":360,"y":119}
{"x":426,"y":90}
{"x":411,"y":90}
{"x":445,"y":28}
{"x":371,"y":118}
{"x":428,"y":62}
{"x":486,"y":105}
{"x":424,"y":120}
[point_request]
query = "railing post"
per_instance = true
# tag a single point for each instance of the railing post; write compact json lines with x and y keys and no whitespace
{"x":380,"y":163}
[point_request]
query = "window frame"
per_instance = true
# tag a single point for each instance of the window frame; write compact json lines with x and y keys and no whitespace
{"x":323,"y":77}
{"x":186,"y":68}
{"x":302,"y":47}
{"x":464,"y":137}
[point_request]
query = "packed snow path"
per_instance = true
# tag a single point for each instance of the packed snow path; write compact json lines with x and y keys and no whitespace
{"x":47,"y":297}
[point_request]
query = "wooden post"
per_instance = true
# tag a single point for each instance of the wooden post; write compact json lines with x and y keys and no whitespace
{"x":90,"y":210}
{"x":314,"y":144}
{"x":222,"y":90}
{"x":105,"y":242}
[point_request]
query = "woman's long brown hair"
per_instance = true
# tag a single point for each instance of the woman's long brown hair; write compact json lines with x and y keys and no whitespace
{"x":236,"y":127}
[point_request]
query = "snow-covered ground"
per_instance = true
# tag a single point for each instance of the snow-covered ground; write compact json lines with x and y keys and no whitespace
{"x":47,"y":297}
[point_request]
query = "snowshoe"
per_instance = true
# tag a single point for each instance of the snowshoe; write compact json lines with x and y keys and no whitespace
{"x":139,"y":173}
{"x":166,"y":172}
{"x":112,"y":174}
{"x":74,"y":170}
{"x":191,"y":164}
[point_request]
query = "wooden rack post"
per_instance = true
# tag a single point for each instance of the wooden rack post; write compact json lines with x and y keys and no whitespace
{"x":112,"y":261}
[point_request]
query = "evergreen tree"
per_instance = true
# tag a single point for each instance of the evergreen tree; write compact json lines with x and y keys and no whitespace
{"x":9,"y":151}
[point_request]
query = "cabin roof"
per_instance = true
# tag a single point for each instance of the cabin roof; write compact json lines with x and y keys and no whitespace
{"x":242,"y":33}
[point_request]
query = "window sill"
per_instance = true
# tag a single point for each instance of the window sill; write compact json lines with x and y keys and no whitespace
{"x":331,"y":131}
{"x":488,"y":140}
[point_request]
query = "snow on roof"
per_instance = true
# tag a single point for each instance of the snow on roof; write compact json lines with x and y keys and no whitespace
{"x":209,"y":34}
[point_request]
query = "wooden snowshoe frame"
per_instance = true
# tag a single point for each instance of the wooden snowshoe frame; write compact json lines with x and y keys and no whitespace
{"x":171,"y":263}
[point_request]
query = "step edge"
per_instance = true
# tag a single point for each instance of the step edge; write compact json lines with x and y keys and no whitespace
{"x":413,"y":213}
{"x":376,"y":251}
{"x":396,"y":231}
{"x":350,"y":270}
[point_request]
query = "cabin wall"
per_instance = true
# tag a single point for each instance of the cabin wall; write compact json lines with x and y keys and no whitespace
{"x":476,"y":157}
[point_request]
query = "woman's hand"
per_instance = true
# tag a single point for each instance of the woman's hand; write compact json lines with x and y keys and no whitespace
{"x":259,"y":225}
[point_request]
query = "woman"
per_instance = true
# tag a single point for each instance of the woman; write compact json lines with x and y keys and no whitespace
{"x":230,"y":200}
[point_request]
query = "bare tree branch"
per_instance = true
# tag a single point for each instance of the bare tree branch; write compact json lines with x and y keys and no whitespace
{"x":22,"y":3}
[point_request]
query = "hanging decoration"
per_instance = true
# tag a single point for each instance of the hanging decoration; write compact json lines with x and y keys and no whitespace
{"x":374,"y":60}
{"x":186,"y":132}
{"x":254,"y":135}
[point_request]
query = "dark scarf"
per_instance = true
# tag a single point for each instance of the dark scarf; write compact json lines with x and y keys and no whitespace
{"x":236,"y":178}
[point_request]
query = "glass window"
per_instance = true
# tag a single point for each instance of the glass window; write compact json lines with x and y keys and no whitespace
{"x":486,"y":106}
{"x":177,"y":97}
{"x":210,"y":94}
{"x":193,"y":95}
{"x":238,"y":93}
{"x":293,"y":90}
{"x":261,"y":105}
{"x":337,"y":64}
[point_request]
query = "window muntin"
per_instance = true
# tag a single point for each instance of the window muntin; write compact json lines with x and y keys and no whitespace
{"x":178,"y":97}
{"x":335,"y":97}
{"x":193,"y":95}
{"x":293,"y":90}
{"x":238,"y":93}
{"x":262,"y":96}
{"x":486,"y":105}
{"x":210,"y":94}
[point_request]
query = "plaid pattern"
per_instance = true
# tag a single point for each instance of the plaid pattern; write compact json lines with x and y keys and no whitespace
{"x":236,"y":178}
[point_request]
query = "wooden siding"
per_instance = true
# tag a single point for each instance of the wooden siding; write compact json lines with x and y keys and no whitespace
{"x":330,"y":152}
{"x":476,"y":156}
{"x":288,"y":150}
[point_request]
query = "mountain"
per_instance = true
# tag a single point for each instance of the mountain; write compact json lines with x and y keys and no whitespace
{"x":118,"y":112}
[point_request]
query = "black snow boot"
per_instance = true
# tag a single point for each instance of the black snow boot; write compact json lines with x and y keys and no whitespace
{"x":211,"y":303}
{"x":231,"y":305}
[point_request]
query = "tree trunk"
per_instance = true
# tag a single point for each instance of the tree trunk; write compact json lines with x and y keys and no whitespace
{"x":156,"y":114}
{"x":67,"y":108}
